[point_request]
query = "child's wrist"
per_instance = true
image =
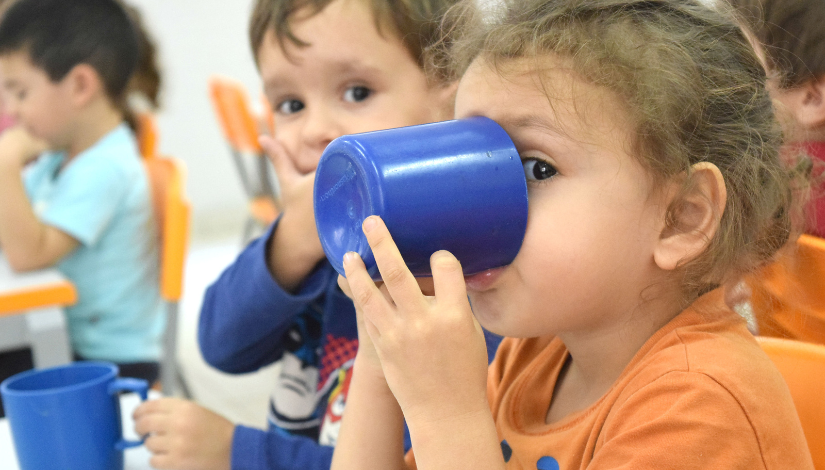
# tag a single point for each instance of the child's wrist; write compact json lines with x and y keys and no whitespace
{"x":438,"y":429}
{"x":292,"y":240}
{"x":369,"y":370}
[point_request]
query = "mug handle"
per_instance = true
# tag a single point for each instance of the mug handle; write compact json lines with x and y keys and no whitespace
{"x":139,"y":386}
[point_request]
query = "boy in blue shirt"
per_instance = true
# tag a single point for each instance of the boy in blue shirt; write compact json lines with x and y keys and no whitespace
{"x":84,"y":203}
{"x":329,"y":68}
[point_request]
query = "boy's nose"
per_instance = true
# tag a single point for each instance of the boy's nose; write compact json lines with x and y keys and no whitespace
{"x":320,"y":129}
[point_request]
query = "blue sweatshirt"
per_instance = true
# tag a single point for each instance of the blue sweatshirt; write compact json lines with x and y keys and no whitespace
{"x":248,"y":321}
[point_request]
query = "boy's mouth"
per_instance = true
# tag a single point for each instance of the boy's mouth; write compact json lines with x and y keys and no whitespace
{"x":484,"y":280}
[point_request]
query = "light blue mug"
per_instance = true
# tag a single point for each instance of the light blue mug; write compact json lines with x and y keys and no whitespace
{"x":68,"y":417}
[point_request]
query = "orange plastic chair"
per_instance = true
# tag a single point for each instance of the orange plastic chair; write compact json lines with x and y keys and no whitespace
{"x":241,"y":131}
{"x":788,"y":296}
{"x":147,"y":135}
{"x":172,"y":214}
{"x":802,"y":365}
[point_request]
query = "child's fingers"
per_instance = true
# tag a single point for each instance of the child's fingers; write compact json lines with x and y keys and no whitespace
{"x":363,"y":291}
{"x":277,"y":154}
{"x":344,"y":285}
{"x":151,"y":424}
{"x":157,"y":445}
{"x":448,"y":279}
{"x":147,"y":408}
{"x":400,"y":282}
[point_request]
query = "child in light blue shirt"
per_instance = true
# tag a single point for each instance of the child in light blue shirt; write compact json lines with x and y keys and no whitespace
{"x":84,"y":205}
{"x":101,"y":200}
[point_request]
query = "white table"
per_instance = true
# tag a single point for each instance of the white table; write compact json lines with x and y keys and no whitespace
{"x":136,"y":458}
{"x":31,"y":313}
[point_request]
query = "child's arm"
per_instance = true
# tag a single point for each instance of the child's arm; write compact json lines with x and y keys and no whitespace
{"x":27,"y":243}
{"x":433,"y":356}
{"x":295,"y":248}
{"x":371,"y":434}
{"x":245,"y":313}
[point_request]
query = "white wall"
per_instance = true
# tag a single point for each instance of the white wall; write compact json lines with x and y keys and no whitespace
{"x":198,"y":38}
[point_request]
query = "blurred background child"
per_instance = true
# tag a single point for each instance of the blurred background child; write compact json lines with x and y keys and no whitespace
{"x":84,"y":204}
{"x":789,"y":38}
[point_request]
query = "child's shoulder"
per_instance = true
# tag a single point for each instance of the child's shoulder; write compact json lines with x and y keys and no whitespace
{"x":119,"y":142}
{"x":711,"y":340}
{"x":707,"y":339}
{"x":706,"y":364}
{"x":705,"y":359}
{"x":707,"y":344}
{"x":115,"y":154}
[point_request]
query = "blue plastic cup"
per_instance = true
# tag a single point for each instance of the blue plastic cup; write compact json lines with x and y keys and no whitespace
{"x":455,"y":185}
{"x":68,"y":417}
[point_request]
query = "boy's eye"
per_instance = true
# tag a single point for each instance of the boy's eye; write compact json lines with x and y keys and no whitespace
{"x":290,"y":106}
{"x":357,"y":94}
{"x":538,"y":170}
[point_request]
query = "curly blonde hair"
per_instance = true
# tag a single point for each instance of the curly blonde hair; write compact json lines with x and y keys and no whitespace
{"x":695,"y":92}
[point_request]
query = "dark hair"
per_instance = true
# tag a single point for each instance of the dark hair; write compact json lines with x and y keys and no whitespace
{"x":792,"y":34}
{"x":146,"y":79}
{"x":4,"y":4}
{"x":61,"y":34}
{"x":694,"y":90}
{"x":416,"y":22}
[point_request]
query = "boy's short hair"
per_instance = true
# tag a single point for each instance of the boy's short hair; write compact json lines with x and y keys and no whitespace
{"x":416,"y":22}
{"x":792,"y":33}
{"x":61,"y":34}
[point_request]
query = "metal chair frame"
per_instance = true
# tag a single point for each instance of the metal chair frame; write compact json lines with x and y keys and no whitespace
{"x":240,"y":129}
{"x":173,"y":217}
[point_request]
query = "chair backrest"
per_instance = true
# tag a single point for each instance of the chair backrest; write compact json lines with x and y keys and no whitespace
{"x":803,"y":367}
{"x":232,"y":107}
{"x":147,"y":134}
{"x":172,"y":215}
{"x":789,"y":294}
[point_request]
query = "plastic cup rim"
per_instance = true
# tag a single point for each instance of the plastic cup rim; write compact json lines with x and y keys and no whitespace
{"x":7,"y":390}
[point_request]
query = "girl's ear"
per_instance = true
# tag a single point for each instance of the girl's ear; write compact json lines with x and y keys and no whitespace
{"x":83,"y":84}
{"x":694,"y":218}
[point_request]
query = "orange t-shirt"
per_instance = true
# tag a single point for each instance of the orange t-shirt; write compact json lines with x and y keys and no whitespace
{"x":700,"y":394}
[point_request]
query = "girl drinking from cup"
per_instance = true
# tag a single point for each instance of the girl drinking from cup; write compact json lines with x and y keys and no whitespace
{"x":650,"y":152}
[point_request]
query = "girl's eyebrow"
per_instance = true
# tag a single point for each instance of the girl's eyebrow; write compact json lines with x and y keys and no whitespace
{"x":531,"y":121}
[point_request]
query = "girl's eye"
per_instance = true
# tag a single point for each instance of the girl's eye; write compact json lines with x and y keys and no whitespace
{"x":357,"y":94}
{"x":538,"y":170}
{"x":290,"y":106}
